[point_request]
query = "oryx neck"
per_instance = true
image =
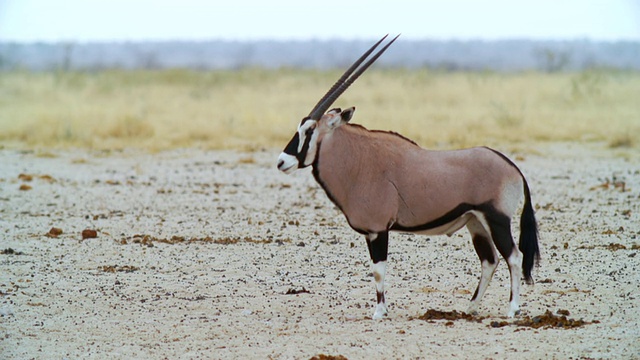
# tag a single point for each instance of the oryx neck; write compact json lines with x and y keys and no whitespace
{"x":340,"y":156}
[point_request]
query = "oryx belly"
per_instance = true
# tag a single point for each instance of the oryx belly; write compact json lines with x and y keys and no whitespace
{"x":448,"y":224}
{"x":448,"y":228}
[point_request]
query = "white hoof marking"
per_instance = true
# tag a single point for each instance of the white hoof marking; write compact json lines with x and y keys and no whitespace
{"x":381,"y":311}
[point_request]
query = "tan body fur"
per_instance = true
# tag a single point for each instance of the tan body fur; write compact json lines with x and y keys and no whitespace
{"x":408,"y":192}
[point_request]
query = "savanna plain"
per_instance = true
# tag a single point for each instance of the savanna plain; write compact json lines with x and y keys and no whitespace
{"x":142,"y":216}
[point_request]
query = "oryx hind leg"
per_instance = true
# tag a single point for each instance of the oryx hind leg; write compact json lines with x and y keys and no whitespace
{"x":488,"y":259}
{"x":500,"y":227}
{"x":378,"y":244}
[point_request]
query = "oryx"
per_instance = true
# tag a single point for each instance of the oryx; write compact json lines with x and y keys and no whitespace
{"x":383,"y":181}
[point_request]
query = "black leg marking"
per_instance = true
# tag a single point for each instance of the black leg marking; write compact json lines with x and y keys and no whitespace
{"x":475,"y":293}
{"x":378,"y":248}
{"x":500,"y":226}
{"x":484,"y":248}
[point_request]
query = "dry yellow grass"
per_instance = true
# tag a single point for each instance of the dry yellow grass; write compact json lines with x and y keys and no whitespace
{"x":255,"y":108}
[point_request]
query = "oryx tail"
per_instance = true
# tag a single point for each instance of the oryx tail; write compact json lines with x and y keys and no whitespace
{"x":528,"y":235}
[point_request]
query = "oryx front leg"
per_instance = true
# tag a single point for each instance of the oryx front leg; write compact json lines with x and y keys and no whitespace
{"x":378,"y":245}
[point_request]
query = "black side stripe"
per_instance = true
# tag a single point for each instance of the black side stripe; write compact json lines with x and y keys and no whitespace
{"x":450,"y":216}
{"x":490,"y":212}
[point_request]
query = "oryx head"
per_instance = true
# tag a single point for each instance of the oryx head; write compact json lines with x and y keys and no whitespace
{"x":301,"y":150}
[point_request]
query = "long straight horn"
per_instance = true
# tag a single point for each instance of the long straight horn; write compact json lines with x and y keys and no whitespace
{"x":344,"y":76}
{"x":347,"y":79}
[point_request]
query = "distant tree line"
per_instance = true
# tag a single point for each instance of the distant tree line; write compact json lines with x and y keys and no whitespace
{"x":477,"y":55}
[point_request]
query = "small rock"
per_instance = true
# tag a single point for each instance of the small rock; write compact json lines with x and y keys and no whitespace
{"x":54,"y":232}
{"x":10,"y":251}
{"x":89,"y":234}
{"x":25,"y":177}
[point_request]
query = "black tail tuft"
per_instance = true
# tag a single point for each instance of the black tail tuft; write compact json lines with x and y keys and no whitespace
{"x":528,"y":236}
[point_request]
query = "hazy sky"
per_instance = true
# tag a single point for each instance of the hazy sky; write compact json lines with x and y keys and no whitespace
{"x":91,"y":20}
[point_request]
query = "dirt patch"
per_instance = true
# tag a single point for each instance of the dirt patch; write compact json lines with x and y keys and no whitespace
{"x":610,"y":246}
{"x":118,"y":268}
{"x":10,"y":251}
{"x":431,"y":315}
{"x":293,"y":291}
{"x":613,"y":183}
{"x":149,"y":240}
{"x":548,"y":320}
{"x":328,"y":357}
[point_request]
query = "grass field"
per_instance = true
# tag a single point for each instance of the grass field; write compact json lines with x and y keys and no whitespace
{"x":254,"y":108}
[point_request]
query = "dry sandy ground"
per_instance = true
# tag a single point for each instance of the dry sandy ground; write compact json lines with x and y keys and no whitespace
{"x":227,"y":236}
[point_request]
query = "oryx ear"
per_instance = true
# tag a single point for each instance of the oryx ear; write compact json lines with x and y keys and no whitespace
{"x":347,"y":114}
{"x":335,"y":119}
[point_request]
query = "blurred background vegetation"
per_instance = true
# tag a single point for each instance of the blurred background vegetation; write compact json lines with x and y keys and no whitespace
{"x":254,"y":108}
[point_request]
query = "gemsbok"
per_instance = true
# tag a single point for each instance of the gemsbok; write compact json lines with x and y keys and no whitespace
{"x":383,"y":181}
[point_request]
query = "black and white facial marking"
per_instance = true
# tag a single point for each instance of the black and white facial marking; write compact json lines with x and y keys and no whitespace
{"x":301,"y":150}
